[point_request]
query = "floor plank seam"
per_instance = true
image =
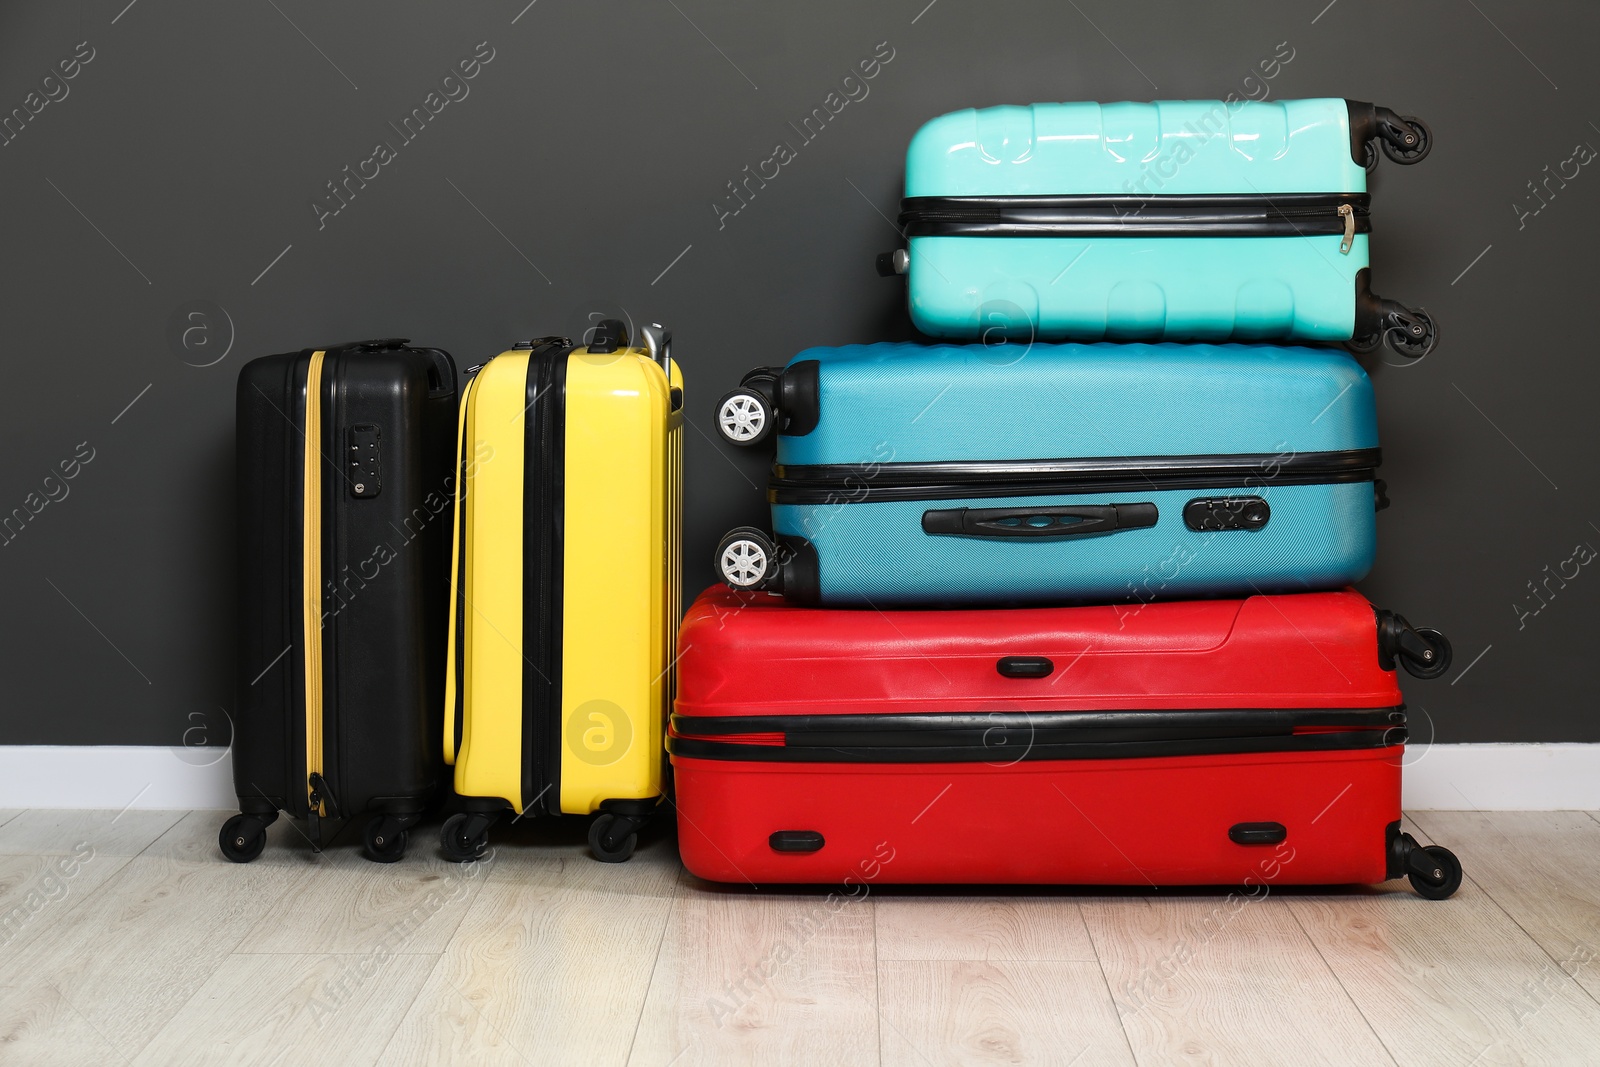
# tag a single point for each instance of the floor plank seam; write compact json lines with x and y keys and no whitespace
{"x":98,"y":1032}
{"x":401,"y":1017}
{"x":157,"y":839}
{"x":1295,"y":915}
{"x":877,"y":978}
{"x":655,"y":965}
{"x":1466,"y":878}
{"x":1105,"y":981}
{"x":327,"y":955}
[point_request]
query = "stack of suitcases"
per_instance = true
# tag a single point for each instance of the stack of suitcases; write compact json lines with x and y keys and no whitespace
{"x":1066,"y":597}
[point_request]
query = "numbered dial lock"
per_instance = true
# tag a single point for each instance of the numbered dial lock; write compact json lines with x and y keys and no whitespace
{"x":364,"y":475}
{"x":1226,"y":513}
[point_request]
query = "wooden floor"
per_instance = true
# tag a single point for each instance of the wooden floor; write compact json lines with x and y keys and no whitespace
{"x":127,"y":939}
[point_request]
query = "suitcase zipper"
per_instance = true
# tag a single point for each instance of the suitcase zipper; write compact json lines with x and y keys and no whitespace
{"x":1246,"y":215}
{"x":455,"y":639}
{"x":1010,"y":737}
{"x":311,"y":593}
{"x":848,"y":483}
{"x":543,"y":577}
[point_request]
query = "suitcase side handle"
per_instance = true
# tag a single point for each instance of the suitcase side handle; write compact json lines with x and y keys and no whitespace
{"x":1052,"y":521}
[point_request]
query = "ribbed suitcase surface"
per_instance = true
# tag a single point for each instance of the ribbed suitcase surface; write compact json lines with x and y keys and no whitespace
{"x":979,"y":474}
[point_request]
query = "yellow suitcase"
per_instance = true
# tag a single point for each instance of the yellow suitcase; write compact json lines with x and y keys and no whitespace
{"x":565,"y":586}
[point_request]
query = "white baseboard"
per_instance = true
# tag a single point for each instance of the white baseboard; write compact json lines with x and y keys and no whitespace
{"x":1499,"y":777}
{"x":116,"y":777}
{"x":1502,"y":777}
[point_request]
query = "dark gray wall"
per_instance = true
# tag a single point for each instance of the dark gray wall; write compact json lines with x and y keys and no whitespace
{"x":586,"y":159}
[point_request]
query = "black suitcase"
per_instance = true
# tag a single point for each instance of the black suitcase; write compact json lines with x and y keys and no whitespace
{"x":343,"y":566}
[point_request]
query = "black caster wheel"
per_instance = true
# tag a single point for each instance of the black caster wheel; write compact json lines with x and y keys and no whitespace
{"x":606,"y":848}
{"x":746,"y":558}
{"x":457,"y":845}
{"x":1362,"y":346}
{"x":1409,"y":342}
{"x":1439,"y":645}
{"x":1370,"y":157}
{"x":745,"y":417}
{"x":1406,"y":155}
{"x":1435,"y":872}
{"x":385,"y":845}
{"x":242,"y":838}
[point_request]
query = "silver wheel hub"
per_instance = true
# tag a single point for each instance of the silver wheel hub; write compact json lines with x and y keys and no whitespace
{"x":742,"y":418}
{"x":744,"y":563}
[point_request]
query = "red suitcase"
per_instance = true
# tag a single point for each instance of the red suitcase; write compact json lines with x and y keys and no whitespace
{"x":1253,"y":742}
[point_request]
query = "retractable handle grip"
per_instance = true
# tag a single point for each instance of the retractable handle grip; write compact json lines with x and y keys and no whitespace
{"x":1052,"y":521}
{"x":658,"y":343}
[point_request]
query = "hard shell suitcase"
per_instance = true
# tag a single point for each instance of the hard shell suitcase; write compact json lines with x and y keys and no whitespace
{"x":566,"y":586}
{"x":1173,"y":220}
{"x":1253,"y":741}
{"x":974,"y":474}
{"x":344,"y":533}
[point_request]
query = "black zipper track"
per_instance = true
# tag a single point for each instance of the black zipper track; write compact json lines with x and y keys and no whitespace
{"x":849,"y":484}
{"x":1010,"y":737}
{"x":544,"y":460}
{"x":1235,"y":215}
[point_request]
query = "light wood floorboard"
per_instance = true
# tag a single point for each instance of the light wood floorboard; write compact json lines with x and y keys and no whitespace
{"x":155,"y":950}
{"x":945,"y":925}
{"x":550,"y":964}
{"x":162,"y":924}
{"x":1453,"y":981}
{"x":768,"y":978}
{"x":113,"y":834}
{"x":339,"y":901}
{"x":304,"y":1010}
{"x":998,"y":1012}
{"x":1222,"y":977}
{"x":1543,"y":869}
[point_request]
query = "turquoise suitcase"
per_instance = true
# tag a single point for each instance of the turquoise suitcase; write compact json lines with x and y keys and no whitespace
{"x":1197,"y":220}
{"x":969,"y":475}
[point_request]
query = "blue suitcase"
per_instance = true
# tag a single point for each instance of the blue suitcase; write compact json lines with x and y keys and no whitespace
{"x":1175,"y":220}
{"x":970,"y":474}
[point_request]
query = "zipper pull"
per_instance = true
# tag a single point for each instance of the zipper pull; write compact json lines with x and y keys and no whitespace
{"x":319,"y":796}
{"x":1347,"y":213}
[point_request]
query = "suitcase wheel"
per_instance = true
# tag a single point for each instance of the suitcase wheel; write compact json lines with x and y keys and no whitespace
{"x":612,"y":838}
{"x":745,"y":417}
{"x":385,"y":839}
{"x":1414,"y":339}
{"x":1439,"y":646}
{"x":243,"y":837}
{"x":1363,"y":346}
{"x":464,"y":837}
{"x":746,"y":558}
{"x":1406,"y":152}
{"x":1434,"y":872}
